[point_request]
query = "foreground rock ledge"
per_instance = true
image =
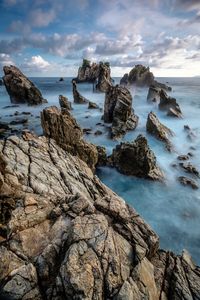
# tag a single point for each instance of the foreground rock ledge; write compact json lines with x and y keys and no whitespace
{"x":64,"y":235}
{"x":20,"y":88}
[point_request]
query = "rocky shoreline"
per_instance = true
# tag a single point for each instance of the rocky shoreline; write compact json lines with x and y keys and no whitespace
{"x":64,"y":234}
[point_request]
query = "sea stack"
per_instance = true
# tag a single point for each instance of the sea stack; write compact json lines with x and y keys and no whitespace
{"x":20,"y":88}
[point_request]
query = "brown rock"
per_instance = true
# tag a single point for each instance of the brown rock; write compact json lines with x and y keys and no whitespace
{"x":188,"y":182}
{"x":78,"y":98}
{"x":189,"y":168}
{"x":92,"y":105}
{"x":169,"y":104}
{"x":65,"y":103}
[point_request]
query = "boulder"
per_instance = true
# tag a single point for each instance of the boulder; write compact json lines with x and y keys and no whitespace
{"x":185,"y":181}
{"x":137,"y":159}
{"x":78,"y":98}
{"x":92,"y":105}
{"x":63,"y":128}
{"x":169,"y":104}
{"x":160,"y":131}
{"x":65,"y":235}
{"x":64,"y":103}
{"x":20,"y":88}
{"x":118,"y":111}
{"x":61,"y":79}
{"x":104,"y":81}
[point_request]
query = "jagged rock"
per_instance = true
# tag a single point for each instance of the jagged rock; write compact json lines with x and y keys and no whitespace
{"x":63,"y":128}
{"x":189,"y":168}
{"x":153,"y":94}
{"x":92,"y":105}
{"x":87,"y":130}
{"x":160,"y":131}
{"x":20,"y":88}
{"x":98,"y":132}
{"x":104,"y":81}
{"x":118,"y":111}
{"x":188,"y":182}
{"x":162,"y":86}
{"x":141,"y":76}
{"x":102,"y":156}
{"x":169,"y":104}
{"x":78,"y":98}
{"x":64,"y":103}
{"x":68,"y":236}
{"x":95,"y":73}
{"x":183,"y":157}
{"x":137,"y":159}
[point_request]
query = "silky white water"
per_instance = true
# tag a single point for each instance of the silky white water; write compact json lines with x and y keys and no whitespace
{"x":172,"y":210}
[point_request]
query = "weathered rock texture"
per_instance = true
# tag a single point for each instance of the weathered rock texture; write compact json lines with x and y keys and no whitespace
{"x":153,"y":94}
{"x":118,"y":111}
{"x":64,"y":235}
{"x":65,"y":103}
{"x":169,"y":104}
{"x":137,"y":159}
{"x":160,"y":131}
{"x":63,"y":128}
{"x":20,"y":88}
{"x":95,"y":73}
{"x":141,"y":76}
{"x":78,"y":98}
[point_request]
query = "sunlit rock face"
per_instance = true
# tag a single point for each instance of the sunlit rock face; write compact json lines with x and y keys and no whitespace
{"x":20,"y":88}
{"x":64,"y":235}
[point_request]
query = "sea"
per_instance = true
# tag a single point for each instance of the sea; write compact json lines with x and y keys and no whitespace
{"x":172,"y":210}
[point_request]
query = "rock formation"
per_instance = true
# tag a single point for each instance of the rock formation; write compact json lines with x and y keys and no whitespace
{"x":189,"y":168}
{"x":92,"y":105}
{"x":160,"y":131}
{"x":141,"y":76}
{"x":64,"y":235}
{"x":63,"y":128}
{"x":78,"y":98}
{"x":153,"y":94}
{"x":65,"y":103}
{"x":118,"y":111}
{"x":188,"y":182}
{"x":169,"y":104}
{"x":98,"y":74}
{"x":137,"y":159}
{"x":61,"y":79}
{"x":20,"y":88}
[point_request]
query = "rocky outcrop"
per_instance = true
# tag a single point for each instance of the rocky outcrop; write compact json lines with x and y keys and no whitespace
{"x":63,"y":128}
{"x":61,"y":79}
{"x":185,"y":181}
{"x":20,"y":88}
{"x":92,"y":105}
{"x":160,"y":131}
{"x":64,"y":235}
{"x":189,"y":168}
{"x":169,"y":104}
{"x":78,"y":98}
{"x":141,"y":76}
{"x":65,"y":103}
{"x":97,"y":73}
{"x":137,"y":159}
{"x":118,"y":111}
{"x":104,"y":81}
{"x":153,"y":94}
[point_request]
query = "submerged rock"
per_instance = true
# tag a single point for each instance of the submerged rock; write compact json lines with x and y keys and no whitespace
{"x":19,"y":121}
{"x":78,"y":98}
{"x":92,"y":105}
{"x":188,"y":182}
{"x":20,"y":88}
{"x":160,"y":131}
{"x":63,"y":128}
{"x":169,"y":104}
{"x":183,"y":157}
{"x":137,"y":159}
{"x":118,"y":111}
{"x":65,"y":235}
{"x":189,"y":168}
{"x":64,"y":103}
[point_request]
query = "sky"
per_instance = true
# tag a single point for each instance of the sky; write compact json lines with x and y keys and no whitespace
{"x":51,"y":37}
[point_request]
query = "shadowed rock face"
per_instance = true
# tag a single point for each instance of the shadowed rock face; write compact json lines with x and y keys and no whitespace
{"x":63,"y":128}
{"x":118,"y":111}
{"x":64,"y":103}
{"x":64,"y":235}
{"x":78,"y":98}
{"x":104,"y":80}
{"x":20,"y":88}
{"x":136,"y":159}
{"x":160,"y":131}
{"x":169,"y":104}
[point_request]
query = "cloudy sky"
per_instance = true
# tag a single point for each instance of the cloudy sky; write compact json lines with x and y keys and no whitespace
{"x":50,"y":37}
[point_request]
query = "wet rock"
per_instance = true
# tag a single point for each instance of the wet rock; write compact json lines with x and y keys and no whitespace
{"x":19,"y":121}
{"x":92,"y":105}
{"x":78,"y":98}
{"x":11,"y":106}
{"x":137,"y":159}
{"x":188,"y":182}
{"x":189,"y":168}
{"x":68,"y":236}
{"x":102,"y":156}
{"x":104,"y":81}
{"x":153,"y":94}
{"x":98,"y":132}
{"x":169,"y":104}
{"x":64,"y":103}
{"x":4,"y":127}
{"x":16,"y":113}
{"x":61,"y":79}
{"x":20,"y":88}
{"x":26,"y":113}
{"x":118,"y":111}
{"x":183,"y":157}
{"x":63,"y":128}
{"x":160,"y":131}
{"x":87,"y":130}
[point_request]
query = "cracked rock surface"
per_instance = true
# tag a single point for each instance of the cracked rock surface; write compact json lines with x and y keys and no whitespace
{"x":64,"y":235}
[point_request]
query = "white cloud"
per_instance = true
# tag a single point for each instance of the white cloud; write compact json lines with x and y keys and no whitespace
{"x":5,"y":59}
{"x":36,"y":64}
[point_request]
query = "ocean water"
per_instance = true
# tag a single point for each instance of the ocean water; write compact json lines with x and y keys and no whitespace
{"x":172,"y":210}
